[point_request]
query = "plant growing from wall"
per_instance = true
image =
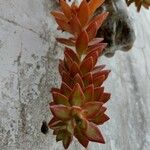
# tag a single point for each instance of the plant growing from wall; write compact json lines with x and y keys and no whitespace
{"x":78,"y":105}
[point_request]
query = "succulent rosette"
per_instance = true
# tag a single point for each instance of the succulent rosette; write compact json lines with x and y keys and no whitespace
{"x":78,"y":105}
{"x":139,"y":3}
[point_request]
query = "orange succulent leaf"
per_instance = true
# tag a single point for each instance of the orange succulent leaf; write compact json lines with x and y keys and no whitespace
{"x":94,"y":54}
{"x":94,"y":4}
{"x":77,"y":97}
{"x":67,"y":42}
{"x":86,"y":65}
{"x":64,"y":26}
{"x":68,"y":61}
{"x":72,"y":54}
{"x":99,"y":46}
{"x":89,"y":93}
{"x":75,"y":25}
{"x":99,"y":120}
{"x":99,"y":68}
{"x":83,"y":13}
{"x":88,"y":79}
{"x":105,"y":97}
{"x":60,"y":99}
{"x":98,"y":91}
{"x":98,"y":81}
{"x":65,"y":89}
{"x":91,"y":109}
{"x":78,"y":79}
{"x":95,"y":41}
{"x":67,"y":79}
{"x":82,"y":42}
{"x":59,"y":15}
{"x":100,"y":73}
{"x":61,"y":112}
{"x":66,"y":9}
{"x":74,"y":69}
{"x":93,"y":133}
{"x":92,"y":30}
{"x":81,"y":137}
{"x":99,"y":19}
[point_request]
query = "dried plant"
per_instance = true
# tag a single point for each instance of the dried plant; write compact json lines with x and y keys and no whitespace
{"x":78,"y":105}
{"x":139,"y":3}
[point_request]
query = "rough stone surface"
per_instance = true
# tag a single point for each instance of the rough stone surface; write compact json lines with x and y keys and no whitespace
{"x":28,"y":69}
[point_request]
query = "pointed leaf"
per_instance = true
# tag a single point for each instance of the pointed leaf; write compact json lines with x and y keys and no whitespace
{"x":94,"y":4}
{"x":101,"y":73}
{"x":77,"y":97}
{"x":87,"y":79}
{"x":98,"y":81}
{"x":78,"y":79}
{"x":81,"y":138}
{"x":82,"y":43}
{"x":95,"y":41}
{"x":83,"y":13}
{"x":72,"y":54}
{"x":98,"y":68}
{"x":60,"y":99}
{"x":99,"y":19}
{"x":75,"y":25}
{"x":105,"y":97}
{"x":98,"y":91}
{"x":65,"y":89}
{"x":101,"y":47}
{"x":61,"y":112}
{"x":89,"y":92}
{"x":68,"y":61}
{"x":92,"y":30}
{"x":99,"y":120}
{"x":59,"y":15}
{"x":63,"y":25}
{"x":67,"y":79}
{"x":68,"y":42}
{"x":94,"y":134}
{"x":86,"y":65}
{"x":74,"y":69}
{"x":67,"y":139}
{"x":91,"y":109}
{"x":66,"y":9}
{"x":94,"y":55}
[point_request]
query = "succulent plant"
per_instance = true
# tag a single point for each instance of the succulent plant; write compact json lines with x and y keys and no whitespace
{"x":139,"y":3}
{"x":78,"y":105}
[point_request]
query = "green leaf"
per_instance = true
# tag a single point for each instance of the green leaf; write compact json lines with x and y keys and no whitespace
{"x":77,"y":97}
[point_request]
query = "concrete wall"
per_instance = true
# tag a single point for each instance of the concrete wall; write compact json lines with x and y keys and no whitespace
{"x":28,"y":69}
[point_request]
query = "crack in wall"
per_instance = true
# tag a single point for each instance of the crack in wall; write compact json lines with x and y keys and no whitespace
{"x":23,"y":27}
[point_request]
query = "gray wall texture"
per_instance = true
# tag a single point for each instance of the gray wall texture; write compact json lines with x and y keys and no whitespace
{"x":28,"y":69}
